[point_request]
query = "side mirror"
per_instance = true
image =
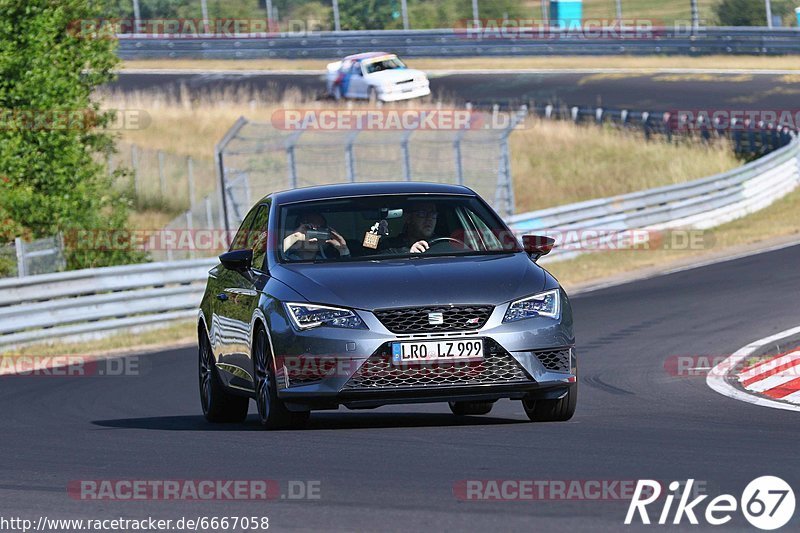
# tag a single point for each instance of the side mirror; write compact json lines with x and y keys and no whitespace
{"x":237,"y":259}
{"x":537,"y":246}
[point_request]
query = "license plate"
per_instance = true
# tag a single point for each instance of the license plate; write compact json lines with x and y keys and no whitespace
{"x":439,"y":351}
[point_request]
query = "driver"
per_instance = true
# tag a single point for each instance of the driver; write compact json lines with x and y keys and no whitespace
{"x":419,"y":222}
{"x":297,"y":247}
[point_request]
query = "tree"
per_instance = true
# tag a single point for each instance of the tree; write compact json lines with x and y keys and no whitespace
{"x":749,"y":12}
{"x":52,"y":135}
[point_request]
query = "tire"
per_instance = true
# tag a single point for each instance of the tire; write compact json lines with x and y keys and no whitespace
{"x":219,"y":406}
{"x":552,"y":410}
{"x":471,"y":408}
{"x":373,"y":95}
{"x":337,"y":92}
{"x":272,"y":413}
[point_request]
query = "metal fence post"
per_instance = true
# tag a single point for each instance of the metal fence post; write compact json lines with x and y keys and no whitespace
{"x":349,"y":160}
{"x":337,"y":26}
{"x":457,"y":155}
{"x":406,"y":155}
{"x":404,"y":9}
{"x":220,"y":148}
{"x":504,"y":193}
{"x":291,"y":163}
{"x":19,"y":248}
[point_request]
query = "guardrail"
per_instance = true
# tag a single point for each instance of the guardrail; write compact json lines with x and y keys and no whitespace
{"x":96,"y":301}
{"x":88,"y":302}
{"x":460,"y":43}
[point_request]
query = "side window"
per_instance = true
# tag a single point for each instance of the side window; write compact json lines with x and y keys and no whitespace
{"x":240,"y":240}
{"x":259,"y":236}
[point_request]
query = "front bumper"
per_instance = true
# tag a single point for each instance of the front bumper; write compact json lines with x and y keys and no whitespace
{"x":328,"y":367}
{"x":397,"y":94}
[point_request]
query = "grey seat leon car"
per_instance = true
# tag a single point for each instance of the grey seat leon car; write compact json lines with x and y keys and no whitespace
{"x":363,"y":295}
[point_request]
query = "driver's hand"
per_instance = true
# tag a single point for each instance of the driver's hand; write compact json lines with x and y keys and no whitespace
{"x":419,"y":247}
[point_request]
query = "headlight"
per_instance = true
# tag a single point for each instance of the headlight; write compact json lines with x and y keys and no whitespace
{"x":307,"y":316}
{"x":544,"y":304}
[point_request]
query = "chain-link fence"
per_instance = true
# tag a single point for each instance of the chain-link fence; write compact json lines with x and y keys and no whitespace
{"x":750,"y":138}
{"x":257,"y":158}
{"x":162,"y":181}
{"x":41,"y":256}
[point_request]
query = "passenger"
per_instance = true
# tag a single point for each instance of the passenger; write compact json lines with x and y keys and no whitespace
{"x":297,"y":247}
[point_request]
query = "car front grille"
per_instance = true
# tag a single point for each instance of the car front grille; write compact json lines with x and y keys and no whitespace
{"x":424,"y":319}
{"x":497,"y":367}
{"x":557,"y":360}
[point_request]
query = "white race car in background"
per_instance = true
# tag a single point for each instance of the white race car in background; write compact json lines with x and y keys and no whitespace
{"x":375,"y":76}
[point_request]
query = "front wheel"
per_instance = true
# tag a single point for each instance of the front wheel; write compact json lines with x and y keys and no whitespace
{"x":218,"y":404}
{"x":272,"y":412}
{"x":470,"y":408}
{"x":559,"y":410}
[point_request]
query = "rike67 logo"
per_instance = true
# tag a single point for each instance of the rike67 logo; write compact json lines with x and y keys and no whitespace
{"x":767,"y":503}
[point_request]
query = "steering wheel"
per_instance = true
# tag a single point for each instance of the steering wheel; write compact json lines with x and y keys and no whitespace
{"x":446,"y":239}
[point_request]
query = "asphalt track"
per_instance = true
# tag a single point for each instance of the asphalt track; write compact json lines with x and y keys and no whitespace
{"x":394,"y":468}
{"x":651,"y":91}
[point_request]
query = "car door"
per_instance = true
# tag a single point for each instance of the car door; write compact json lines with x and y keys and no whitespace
{"x":357,"y":86}
{"x":235,"y":304}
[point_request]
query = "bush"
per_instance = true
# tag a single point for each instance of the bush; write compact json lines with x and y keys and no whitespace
{"x":52,"y":137}
{"x":749,"y":12}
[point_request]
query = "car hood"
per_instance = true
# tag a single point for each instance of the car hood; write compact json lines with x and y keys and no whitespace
{"x":396,"y":75}
{"x":490,"y":279}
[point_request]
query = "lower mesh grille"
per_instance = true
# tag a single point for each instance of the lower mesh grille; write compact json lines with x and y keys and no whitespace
{"x":557,"y":360}
{"x":378,"y":372}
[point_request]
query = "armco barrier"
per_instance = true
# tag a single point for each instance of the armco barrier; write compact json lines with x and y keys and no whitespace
{"x":95,"y":301}
{"x":457,"y":43}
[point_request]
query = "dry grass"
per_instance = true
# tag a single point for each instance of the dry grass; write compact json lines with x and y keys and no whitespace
{"x":570,"y":163}
{"x":556,"y":163}
{"x":175,"y":334}
{"x":494,"y":63}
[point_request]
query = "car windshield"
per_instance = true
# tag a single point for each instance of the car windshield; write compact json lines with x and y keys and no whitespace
{"x":385,"y":64}
{"x":390,"y":226}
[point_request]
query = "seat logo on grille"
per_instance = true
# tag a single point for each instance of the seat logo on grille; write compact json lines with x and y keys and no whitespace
{"x":435,"y":318}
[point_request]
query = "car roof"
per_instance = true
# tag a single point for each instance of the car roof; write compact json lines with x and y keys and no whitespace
{"x":340,"y":190}
{"x":366,"y":55}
